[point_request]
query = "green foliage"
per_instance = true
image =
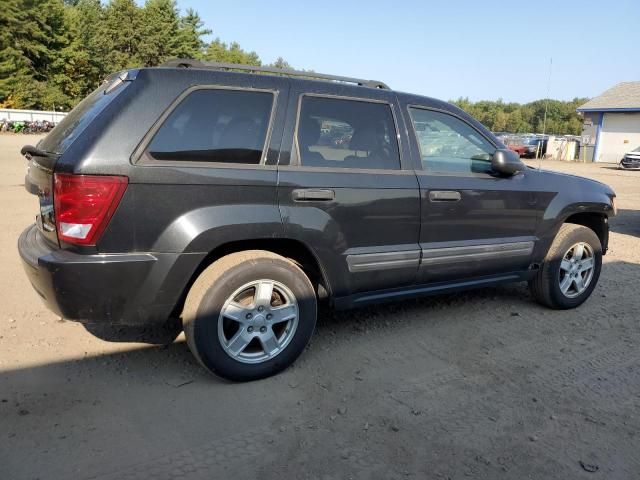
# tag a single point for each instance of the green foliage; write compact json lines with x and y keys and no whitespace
{"x":159,"y":32}
{"x":190,"y":33}
{"x":120,"y":34}
{"x":281,"y":63}
{"x":528,"y":118}
{"x":55,"y":52}
{"x":217,"y":51}
{"x":81,"y":65}
{"x":31,"y":34}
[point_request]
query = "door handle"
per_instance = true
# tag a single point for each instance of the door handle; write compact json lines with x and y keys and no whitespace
{"x":444,"y":196}
{"x":313,"y":195}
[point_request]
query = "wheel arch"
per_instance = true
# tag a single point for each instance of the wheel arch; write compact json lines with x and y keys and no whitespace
{"x":596,"y":221}
{"x":294,"y":250}
{"x":593,"y":215}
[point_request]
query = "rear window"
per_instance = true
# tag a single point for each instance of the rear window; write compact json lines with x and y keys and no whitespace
{"x":342,"y":133}
{"x":72,"y":125}
{"x":215,"y":125}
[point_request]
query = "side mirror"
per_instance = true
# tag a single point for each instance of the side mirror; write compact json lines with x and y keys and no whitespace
{"x":507,"y":162}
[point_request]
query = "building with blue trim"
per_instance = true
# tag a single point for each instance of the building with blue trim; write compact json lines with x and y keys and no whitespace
{"x":611,"y":124}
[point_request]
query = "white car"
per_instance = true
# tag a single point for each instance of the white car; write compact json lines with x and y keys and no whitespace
{"x":631,"y":160}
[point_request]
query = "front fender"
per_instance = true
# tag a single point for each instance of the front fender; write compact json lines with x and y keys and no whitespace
{"x":575,"y":198}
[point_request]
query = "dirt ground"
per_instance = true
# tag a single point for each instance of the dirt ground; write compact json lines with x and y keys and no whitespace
{"x":485,"y":384}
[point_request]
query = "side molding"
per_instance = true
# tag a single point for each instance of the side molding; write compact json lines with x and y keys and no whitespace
{"x":437,"y":256}
{"x":365,"y":262}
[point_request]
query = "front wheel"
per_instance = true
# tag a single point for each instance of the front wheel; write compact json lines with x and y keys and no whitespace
{"x":570,"y":270}
{"x":249,"y":315}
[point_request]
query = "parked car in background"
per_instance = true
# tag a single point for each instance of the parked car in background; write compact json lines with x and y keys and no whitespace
{"x":502,"y":136}
{"x":208,"y":195}
{"x":535,"y":147}
{"x":516,"y":144}
{"x":631,"y":160}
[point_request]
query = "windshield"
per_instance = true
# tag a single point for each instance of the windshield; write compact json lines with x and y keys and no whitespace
{"x":59,"y":139}
{"x":636,"y":149}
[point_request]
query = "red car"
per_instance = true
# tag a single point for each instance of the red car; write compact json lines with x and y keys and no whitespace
{"x":519,"y":149}
{"x":517,"y":145}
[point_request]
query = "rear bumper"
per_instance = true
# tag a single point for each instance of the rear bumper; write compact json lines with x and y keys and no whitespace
{"x":131,"y":288}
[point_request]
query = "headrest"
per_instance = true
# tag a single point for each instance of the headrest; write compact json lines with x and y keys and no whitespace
{"x":364,"y":139}
{"x":309,"y":132}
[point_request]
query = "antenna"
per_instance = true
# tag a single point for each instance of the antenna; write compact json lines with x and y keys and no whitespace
{"x":546,"y":106}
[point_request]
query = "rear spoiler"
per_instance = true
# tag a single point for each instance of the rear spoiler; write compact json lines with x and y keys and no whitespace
{"x":29,"y":151}
{"x":38,"y":159}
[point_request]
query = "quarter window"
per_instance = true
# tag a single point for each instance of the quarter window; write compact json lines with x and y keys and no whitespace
{"x":209,"y":125}
{"x":449,"y":145}
{"x":347,"y":133}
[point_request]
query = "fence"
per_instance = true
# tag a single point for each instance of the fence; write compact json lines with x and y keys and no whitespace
{"x":10,"y":114}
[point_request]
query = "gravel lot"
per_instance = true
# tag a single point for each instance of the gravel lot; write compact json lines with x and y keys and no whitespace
{"x":484,"y":384}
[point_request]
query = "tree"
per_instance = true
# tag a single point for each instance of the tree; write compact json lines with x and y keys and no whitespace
{"x":13,"y":63}
{"x":190,"y":33}
{"x":160,"y":24}
{"x":561,"y":117}
{"x":55,"y":52}
{"x":217,"y":51}
{"x":82,"y":60}
{"x":31,"y":40}
{"x":281,"y":63}
{"x":120,"y":34}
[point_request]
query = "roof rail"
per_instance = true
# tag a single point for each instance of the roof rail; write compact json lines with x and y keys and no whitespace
{"x":190,"y":63}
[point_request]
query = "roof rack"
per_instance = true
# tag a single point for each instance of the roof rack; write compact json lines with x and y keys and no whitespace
{"x":190,"y":63}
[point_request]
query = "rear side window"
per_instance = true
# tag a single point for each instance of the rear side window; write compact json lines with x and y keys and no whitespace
{"x":210,"y":125}
{"x":449,"y":145}
{"x":347,"y":133}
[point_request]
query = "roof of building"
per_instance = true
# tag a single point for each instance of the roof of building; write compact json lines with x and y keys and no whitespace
{"x":624,"y":96}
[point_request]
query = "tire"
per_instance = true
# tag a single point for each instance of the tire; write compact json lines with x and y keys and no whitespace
{"x":216,"y":309}
{"x":547,"y":286}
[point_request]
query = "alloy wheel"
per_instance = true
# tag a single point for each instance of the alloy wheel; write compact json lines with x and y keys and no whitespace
{"x":576,"y":270}
{"x":258,"y":321}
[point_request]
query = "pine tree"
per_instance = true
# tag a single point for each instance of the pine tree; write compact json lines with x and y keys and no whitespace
{"x":190,"y":33}
{"x":120,"y":34}
{"x":159,"y":40}
{"x":55,"y":52}
{"x":218,"y":51}
{"x":13,"y":64}
{"x":31,"y":40}
{"x":82,"y":62}
{"x":281,"y":63}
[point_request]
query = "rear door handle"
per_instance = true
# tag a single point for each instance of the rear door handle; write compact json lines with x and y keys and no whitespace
{"x":313,"y":195}
{"x":444,"y":196}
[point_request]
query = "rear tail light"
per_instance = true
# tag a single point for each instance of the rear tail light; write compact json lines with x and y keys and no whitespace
{"x":84,"y":204}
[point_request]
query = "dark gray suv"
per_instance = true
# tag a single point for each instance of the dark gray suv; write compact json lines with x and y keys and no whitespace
{"x":235,"y":198}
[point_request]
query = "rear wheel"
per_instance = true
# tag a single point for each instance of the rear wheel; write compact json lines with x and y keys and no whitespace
{"x":571,"y":269}
{"x":249,"y":315}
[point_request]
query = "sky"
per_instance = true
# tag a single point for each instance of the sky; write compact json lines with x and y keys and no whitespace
{"x":447,"y":49}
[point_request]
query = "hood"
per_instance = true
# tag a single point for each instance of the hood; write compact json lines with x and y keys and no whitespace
{"x":583,"y":182}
